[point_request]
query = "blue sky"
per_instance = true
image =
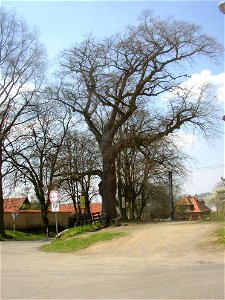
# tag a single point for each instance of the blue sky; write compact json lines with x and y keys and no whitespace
{"x":64,"y":23}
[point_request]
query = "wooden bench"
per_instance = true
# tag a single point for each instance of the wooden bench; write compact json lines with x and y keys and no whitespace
{"x":98,"y":217}
{"x":95,"y":216}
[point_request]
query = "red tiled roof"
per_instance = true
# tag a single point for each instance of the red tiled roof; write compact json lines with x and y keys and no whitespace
{"x":96,"y":207}
{"x":199,"y":206}
{"x":202,"y":207}
{"x":14,"y":204}
{"x":67,"y":208}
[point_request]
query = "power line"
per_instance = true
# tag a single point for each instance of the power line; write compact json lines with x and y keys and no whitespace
{"x":209,"y":168}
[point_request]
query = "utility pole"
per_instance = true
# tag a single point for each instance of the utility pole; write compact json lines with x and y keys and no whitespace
{"x":172,"y":213}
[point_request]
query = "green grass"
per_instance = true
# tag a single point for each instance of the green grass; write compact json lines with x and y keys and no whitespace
{"x":79,"y":230}
{"x":80,"y":242}
{"x":36,"y":234}
{"x":24,"y":236}
{"x":221,"y":235}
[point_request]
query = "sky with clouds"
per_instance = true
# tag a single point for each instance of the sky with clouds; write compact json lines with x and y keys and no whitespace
{"x":64,"y":23}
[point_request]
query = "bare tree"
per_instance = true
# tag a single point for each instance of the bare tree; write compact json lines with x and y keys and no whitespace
{"x":22,"y":65}
{"x":80,"y":165}
{"x":36,"y":155}
{"x":140,"y":170}
{"x":105,"y":82}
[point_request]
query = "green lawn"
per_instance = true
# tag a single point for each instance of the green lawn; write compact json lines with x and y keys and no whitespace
{"x":24,"y":236}
{"x":221,"y":234}
{"x":79,"y":230}
{"x":75,"y":242}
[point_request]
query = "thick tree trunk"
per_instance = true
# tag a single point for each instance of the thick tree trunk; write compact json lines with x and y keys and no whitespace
{"x":109,"y":187}
{"x":44,"y":217}
{"x":2,"y":228}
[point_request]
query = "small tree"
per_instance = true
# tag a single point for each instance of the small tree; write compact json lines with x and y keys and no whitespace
{"x":22,"y":65}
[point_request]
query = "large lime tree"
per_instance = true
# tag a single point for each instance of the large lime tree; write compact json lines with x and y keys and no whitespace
{"x":106,"y":81}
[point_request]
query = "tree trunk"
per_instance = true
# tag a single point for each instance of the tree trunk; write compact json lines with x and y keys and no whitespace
{"x":120,"y":195}
{"x":44,"y":217}
{"x":109,"y":186}
{"x":74,"y":204}
{"x":2,"y":228}
{"x":141,"y":209}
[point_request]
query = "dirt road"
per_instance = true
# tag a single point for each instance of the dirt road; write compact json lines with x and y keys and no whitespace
{"x":154,"y":261}
{"x":161,"y":244}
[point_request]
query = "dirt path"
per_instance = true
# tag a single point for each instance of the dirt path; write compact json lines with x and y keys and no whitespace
{"x":159,"y":244}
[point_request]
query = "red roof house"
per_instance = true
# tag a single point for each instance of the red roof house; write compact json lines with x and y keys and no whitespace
{"x":94,"y":207}
{"x":14,"y":204}
{"x":28,"y":218}
{"x":189,"y":207}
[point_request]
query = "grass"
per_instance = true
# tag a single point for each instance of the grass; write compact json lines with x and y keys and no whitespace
{"x":79,"y":230}
{"x":36,"y":234}
{"x":76,"y":243}
{"x":24,"y":236}
{"x":221,"y":235}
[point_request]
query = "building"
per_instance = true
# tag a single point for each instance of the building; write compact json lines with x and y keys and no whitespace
{"x":17,"y":215}
{"x":190,"y":208}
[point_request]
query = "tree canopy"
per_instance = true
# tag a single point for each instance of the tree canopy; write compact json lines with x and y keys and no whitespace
{"x":130,"y":90}
{"x":106,"y":81}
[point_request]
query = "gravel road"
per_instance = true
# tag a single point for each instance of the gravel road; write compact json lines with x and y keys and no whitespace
{"x":154,"y":261}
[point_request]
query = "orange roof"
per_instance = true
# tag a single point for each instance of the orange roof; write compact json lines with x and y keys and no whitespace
{"x":199,"y":206}
{"x":14,"y":204}
{"x":67,"y":208}
{"x":96,"y":207}
{"x":202,"y":207}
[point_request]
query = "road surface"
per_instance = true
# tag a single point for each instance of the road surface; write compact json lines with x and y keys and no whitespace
{"x":154,"y":261}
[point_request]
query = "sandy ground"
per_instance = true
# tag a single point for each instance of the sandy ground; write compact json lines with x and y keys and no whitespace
{"x":159,"y":244}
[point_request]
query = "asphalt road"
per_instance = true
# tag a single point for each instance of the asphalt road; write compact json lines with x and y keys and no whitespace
{"x":132,"y":267}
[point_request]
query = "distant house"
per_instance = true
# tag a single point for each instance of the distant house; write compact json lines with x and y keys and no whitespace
{"x":189,"y":207}
{"x":16,"y":213}
{"x":14,"y":204}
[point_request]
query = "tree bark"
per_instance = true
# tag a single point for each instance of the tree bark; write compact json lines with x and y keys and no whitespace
{"x":109,"y":186}
{"x":44,"y":217}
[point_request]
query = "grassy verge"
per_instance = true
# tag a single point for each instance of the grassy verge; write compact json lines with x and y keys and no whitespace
{"x":24,"y":236}
{"x":36,"y":234}
{"x":79,"y":242}
{"x":221,"y":235}
{"x":79,"y":230}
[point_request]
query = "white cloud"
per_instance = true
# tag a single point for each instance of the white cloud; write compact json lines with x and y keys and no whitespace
{"x":221,"y":93}
{"x":195,"y":83}
{"x":218,"y":81}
